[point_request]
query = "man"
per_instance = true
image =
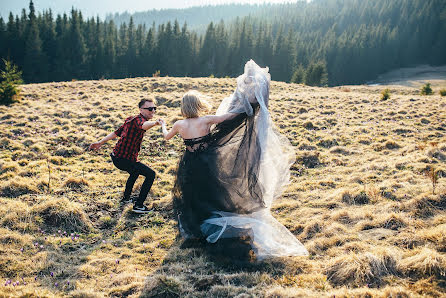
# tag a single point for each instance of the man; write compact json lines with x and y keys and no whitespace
{"x":125,"y":152}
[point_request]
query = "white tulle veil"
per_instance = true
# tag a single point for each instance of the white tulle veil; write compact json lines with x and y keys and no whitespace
{"x":270,"y":238}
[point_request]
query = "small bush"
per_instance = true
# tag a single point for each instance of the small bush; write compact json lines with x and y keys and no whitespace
{"x":424,"y":263}
{"x":361,"y":198}
{"x":15,"y":189}
{"x":76,"y":184}
{"x":156,"y":74}
{"x":68,"y":151}
{"x":310,"y":160}
{"x":361,"y":269}
{"x":385,"y":94}
{"x":443,"y":92}
{"x":426,"y":90}
{"x":62,"y":214}
{"x":10,"y":77}
{"x":298,"y":75}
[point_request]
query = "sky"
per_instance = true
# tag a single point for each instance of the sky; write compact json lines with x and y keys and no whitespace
{"x":103,"y":7}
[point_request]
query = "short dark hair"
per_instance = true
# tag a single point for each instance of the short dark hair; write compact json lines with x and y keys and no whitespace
{"x":143,"y":101}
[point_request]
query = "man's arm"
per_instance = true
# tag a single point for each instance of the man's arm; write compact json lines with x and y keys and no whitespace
{"x":149,"y":124}
{"x":97,"y":145}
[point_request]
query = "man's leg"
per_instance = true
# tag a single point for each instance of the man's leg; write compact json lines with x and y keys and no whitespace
{"x":129,"y":185}
{"x":145,"y":188}
{"x":128,"y":166}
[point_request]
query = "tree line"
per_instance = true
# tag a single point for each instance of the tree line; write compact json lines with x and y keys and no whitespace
{"x":323,"y":42}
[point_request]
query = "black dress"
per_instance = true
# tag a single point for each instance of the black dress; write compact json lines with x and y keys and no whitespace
{"x":227,"y":180}
{"x":218,"y":172}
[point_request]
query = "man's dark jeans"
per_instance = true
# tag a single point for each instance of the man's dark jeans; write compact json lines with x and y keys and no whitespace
{"x":135,"y":169}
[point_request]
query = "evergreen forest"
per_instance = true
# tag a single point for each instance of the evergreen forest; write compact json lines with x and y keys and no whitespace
{"x":322,"y":42}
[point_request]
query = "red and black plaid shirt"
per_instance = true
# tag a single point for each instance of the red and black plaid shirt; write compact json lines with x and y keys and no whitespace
{"x":131,"y":135}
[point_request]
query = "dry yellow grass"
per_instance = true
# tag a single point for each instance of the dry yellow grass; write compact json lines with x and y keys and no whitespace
{"x":360,"y":199}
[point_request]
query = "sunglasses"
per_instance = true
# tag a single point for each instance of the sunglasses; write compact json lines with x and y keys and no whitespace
{"x":150,"y":109}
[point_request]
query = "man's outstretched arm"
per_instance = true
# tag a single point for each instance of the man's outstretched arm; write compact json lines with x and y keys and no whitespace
{"x":97,"y":145}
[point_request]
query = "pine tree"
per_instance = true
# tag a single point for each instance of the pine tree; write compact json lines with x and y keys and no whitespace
{"x":76,"y":48}
{"x":10,"y":77}
{"x":298,"y":75}
{"x":316,"y":74}
{"x":35,"y":65}
{"x":148,"y":53}
{"x":207,"y":55}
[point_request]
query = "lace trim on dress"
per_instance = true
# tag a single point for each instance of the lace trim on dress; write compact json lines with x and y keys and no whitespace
{"x":198,"y":144}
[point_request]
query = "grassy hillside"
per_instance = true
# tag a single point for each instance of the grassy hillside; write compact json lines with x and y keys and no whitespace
{"x":361,"y":199}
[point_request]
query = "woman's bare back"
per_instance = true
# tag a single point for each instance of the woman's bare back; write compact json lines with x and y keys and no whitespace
{"x":192,"y":128}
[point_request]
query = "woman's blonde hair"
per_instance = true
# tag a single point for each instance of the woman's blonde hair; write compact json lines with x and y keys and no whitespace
{"x":193,"y":103}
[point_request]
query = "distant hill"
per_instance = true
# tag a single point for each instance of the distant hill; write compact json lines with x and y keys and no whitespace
{"x":197,"y":18}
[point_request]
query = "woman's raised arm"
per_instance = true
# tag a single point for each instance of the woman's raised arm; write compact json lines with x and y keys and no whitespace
{"x":173,"y":131}
{"x":214,"y":119}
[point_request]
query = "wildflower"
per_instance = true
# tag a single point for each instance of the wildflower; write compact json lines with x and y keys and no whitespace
{"x":56,"y":284}
{"x":68,"y":282}
{"x":52,"y":274}
{"x":21,"y":250}
{"x":35,"y":278}
{"x":41,"y":246}
{"x":117,"y":261}
{"x":59,"y":231}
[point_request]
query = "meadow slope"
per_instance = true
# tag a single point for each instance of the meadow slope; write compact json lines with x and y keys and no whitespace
{"x":361,"y":199}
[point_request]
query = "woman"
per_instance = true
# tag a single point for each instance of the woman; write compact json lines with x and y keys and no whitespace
{"x":234,"y":165}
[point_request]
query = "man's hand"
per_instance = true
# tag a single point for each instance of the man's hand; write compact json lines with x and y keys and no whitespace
{"x":161,"y":122}
{"x":95,"y":146}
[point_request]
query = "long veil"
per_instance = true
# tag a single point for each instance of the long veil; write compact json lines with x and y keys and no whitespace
{"x":275,"y":155}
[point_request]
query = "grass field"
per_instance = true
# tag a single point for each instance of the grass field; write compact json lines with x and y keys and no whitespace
{"x":367,"y":198}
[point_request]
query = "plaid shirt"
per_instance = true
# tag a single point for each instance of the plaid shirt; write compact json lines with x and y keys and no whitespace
{"x":131,"y":135}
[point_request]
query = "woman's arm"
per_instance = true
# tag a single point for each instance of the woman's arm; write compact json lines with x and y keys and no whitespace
{"x":214,"y":119}
{"x":169,"y":134}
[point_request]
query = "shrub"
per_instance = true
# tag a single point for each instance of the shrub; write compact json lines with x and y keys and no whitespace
{"x":359,"y":199}
{"x":426,"y":90}
{"x":443,"y":92}
{"x":156,"y":74}
{"x":385,"y":94}
{"x":298,"y":75}
{"x":316,"y":74}
{"x":16,"y":189}
{"x":62,"y":214}
{"x":361,"y":269}
{"x":10,"y":77}
{"x":76,"y":184}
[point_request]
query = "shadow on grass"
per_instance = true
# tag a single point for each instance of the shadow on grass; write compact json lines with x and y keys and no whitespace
{"x":225,"y":269}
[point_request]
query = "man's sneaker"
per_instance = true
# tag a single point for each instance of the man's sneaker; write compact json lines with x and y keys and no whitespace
{"x":142,"y":209}
{"x":126,"y":200}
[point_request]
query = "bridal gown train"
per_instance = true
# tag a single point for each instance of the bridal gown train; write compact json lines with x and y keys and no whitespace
{"x":227,"y":180}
